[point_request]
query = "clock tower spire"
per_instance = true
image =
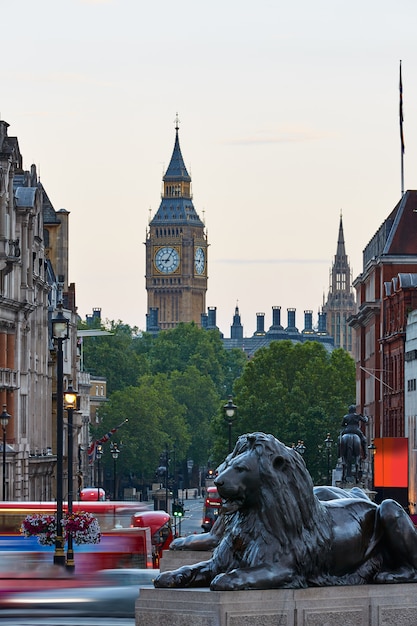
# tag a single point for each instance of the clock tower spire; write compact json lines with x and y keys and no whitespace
{"x":176,"y":251}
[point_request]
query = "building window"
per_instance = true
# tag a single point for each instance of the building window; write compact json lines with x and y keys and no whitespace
{"x":411,"y":384}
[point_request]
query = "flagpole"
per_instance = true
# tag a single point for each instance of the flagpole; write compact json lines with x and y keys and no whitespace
{"x":401,"y":133}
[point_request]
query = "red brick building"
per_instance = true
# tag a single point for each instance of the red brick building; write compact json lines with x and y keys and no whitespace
{"x":384,"y":299}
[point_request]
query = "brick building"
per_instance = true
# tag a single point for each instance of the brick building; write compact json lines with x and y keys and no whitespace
{"x":385,"y":296}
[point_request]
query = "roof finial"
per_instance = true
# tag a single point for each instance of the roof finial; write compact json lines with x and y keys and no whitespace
{"x":177,"y":122}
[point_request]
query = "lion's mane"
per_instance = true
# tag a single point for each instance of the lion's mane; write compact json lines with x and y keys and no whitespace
{"x":289,"y":517}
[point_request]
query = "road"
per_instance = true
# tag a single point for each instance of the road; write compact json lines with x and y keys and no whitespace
{"x":191,"y":522}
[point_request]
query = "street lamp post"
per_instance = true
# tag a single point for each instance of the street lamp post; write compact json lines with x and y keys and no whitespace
{"x":70,"y":402}
{"x":99,"y":454}
{"x":328,"y":443}
{"x":166,"y":478}
{"x":4,"y":420}
{"x":60,"y":333}
{"x":115,"y":454}
{"x":229,"y":415}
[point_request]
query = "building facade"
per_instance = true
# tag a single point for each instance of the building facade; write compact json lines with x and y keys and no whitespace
{"x":176,"y":253}
{"x":33,"y":278}
{"x":410,"y":405}
{"x":383,"y":303}
{"x":275,"y":332}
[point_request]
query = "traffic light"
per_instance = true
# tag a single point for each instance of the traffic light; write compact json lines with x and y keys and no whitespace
{"x":177,"y":510}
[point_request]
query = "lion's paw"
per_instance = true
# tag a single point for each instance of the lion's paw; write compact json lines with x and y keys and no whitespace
{"x":177,"y":544}
{"x":176,"y":578}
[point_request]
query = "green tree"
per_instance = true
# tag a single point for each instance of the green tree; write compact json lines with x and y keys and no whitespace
{"x":192,"y":372}
{"x":197,"y":394}
{"x":296,"y":391}
{"x":186,"y":345}
{"x":114,"y":356}
{"x":155,"y":418}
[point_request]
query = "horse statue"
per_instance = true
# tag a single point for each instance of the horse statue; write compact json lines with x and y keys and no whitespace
{"x":350,"y":451}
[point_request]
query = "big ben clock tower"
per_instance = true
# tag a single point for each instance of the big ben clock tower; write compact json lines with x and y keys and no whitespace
{"x":176,"y":252}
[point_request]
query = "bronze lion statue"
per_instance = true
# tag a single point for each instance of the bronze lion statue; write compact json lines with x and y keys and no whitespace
{"x":278,"y":534}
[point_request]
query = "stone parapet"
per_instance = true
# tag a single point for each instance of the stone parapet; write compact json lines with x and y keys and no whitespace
{"x":367,"y":605}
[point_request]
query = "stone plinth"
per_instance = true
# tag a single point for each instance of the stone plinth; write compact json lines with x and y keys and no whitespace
{"x":367,"y":605}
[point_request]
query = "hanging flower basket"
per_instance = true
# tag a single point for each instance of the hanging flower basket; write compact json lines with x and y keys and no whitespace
{"x":41,"y":526}
{"x":84,"y":528}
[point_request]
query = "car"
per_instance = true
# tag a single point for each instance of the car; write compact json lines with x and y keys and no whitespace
{"x":107,"y":593}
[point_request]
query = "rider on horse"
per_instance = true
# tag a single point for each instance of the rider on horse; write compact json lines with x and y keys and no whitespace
{"x":350,"y":424}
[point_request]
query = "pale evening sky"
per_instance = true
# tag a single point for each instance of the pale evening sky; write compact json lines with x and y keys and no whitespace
{"x":289,"y":116}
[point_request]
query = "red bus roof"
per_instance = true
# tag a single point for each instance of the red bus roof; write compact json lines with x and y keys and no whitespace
{"x":153,"y":519}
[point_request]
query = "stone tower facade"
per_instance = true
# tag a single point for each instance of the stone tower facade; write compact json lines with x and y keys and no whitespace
{"x":340,"y":303}
{"x":176,"y":253}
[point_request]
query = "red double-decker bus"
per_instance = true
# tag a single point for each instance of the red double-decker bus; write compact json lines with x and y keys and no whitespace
{"x":211,"y":508}
{"x":131,"y":535}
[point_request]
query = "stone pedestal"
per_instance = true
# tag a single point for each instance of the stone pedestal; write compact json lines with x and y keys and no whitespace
{"x":367,"y":605}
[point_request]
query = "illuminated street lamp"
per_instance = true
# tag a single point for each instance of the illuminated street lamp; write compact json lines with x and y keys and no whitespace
{"x":115,"y":454}
{"x":99,"y":454}
{"x":229,"y":415}
{"x":4,"y":420}
{"x":70,"y":404}
{"x":60,"y":333}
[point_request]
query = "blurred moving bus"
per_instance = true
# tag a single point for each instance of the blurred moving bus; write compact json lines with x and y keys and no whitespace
{"x":159,"y":523}
{"x":211,"y":508}
{"x":127,"y":540}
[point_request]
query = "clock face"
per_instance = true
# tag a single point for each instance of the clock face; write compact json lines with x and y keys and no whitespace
{"x":199,"y":260}
{"x":167,"y":260}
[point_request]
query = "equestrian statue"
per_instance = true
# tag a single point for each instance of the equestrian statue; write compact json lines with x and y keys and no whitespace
{"x":352,"y":445}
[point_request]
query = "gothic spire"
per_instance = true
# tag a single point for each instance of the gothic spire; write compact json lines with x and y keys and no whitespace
{"x":341,"y":252}
{"x":176,"y":169}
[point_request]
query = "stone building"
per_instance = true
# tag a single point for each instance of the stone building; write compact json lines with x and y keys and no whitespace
{"x":385,"y":297}
{"x":177,"y":271}
{"x":176,"y":252}
{"x":33,"y":278}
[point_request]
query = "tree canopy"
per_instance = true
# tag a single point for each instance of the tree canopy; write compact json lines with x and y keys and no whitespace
{"x":172,"y":388}
{"x":169,"y":387}
{"x":295,"y":391}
